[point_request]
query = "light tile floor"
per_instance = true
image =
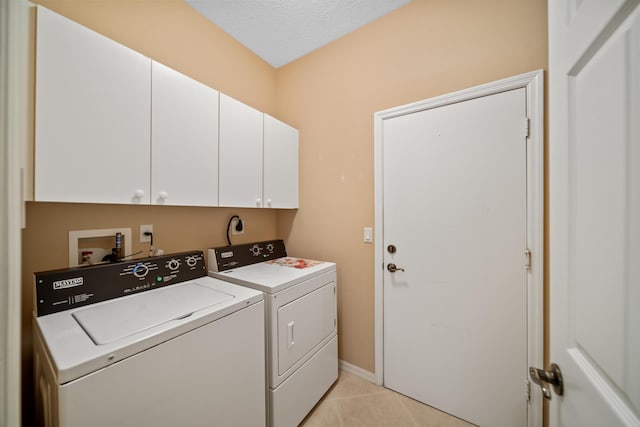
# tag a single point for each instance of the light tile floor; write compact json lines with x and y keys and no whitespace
{"x":353,"y":402}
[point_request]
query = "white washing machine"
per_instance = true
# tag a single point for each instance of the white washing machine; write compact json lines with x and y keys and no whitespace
{"x":301,"y":325}
{"x":152,"y":342}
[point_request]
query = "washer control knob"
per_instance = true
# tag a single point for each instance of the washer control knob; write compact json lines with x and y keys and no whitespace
{"x":192,"y":261}
{"x":140,"y":270}
{"x":173,"y":264}
{"x":255,"y":250}
{"x":270,"y":247}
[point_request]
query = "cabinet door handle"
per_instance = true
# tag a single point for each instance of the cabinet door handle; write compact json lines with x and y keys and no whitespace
{"x":258,"y":201}
{"x":139,"y":194}
{"x":163,"y":195}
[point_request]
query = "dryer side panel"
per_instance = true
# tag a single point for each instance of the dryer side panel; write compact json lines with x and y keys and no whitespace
{"x":46,"y":385}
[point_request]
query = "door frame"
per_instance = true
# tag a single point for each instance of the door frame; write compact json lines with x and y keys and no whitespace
{"x":15,"y":109}
{"x":533,"y":83}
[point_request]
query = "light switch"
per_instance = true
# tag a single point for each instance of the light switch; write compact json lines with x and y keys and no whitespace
{"x":368,"y":235}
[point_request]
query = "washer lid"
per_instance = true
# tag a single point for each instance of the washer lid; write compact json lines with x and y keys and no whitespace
{"x":119,"y":318}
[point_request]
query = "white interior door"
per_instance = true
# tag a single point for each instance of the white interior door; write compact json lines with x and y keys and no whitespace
{"x":455,"y":208}
{"x":594,"y":172}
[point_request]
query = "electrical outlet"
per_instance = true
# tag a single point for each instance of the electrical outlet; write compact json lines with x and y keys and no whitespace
{"x":143,"y":229}
{"x":234,"y":222}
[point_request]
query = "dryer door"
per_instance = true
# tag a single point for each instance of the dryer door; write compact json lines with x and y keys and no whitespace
{"x":305,"y":323}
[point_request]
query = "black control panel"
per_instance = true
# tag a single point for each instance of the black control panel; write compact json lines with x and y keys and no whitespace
{"x":234,"y":256}
{"x":60,"y":290}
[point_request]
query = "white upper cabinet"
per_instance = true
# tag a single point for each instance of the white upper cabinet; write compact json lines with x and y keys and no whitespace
{"x":280,"y":166}
{"x":240,"y":154}
{"x":113,"y":126}
{"x":258,"y":158}
{"x":184,"y":134}
{"x":92,"y":116}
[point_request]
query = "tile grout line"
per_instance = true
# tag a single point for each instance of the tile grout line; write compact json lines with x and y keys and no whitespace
{"x":339,"y":413}
{"x":413,"y":419}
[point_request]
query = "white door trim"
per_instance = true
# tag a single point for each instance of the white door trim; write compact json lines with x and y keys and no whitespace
{"x":15,"y":78}
{"x":533,"y":83}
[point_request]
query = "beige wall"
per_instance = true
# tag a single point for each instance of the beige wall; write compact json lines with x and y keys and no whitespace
{"x":427,"y":48}
{"x":172,"y":33}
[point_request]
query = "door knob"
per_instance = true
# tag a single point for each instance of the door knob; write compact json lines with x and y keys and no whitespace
{"x":392,"y":268}
{"x":552,"y":376}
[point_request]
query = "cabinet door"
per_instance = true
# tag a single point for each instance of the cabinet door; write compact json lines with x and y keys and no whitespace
{"x":240,"y":154}
{"x":92,"y":116}
{"x":184,"y":135}
{"x":280,"y":168}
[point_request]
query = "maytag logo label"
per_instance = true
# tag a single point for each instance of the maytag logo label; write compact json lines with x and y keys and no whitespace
{"x":69,"y":283}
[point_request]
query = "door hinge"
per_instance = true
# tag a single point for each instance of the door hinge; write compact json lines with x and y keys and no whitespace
{"x":527,"y":258}
{"x":527,"y":127}
{"x":527,"y":389}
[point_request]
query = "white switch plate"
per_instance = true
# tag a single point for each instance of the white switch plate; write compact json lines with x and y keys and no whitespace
{"x":144,"y":228}
{"x":367,"y":235}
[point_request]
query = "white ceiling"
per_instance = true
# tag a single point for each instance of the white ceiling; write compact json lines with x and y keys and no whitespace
{"x":280,"y":31}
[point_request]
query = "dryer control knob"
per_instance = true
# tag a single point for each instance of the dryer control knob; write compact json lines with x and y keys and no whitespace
{"x":173,"y":264}
{"x":192,"y":261}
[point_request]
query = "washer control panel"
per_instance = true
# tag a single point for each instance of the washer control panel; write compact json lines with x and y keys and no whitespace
{"x":60,"y":290}
{"x":226,"y":258}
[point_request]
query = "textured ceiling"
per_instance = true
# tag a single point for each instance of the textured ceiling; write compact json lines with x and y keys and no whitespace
{"x":280,"y":31}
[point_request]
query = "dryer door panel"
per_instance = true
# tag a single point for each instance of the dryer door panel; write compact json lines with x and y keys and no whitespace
{"x":304,"y":323}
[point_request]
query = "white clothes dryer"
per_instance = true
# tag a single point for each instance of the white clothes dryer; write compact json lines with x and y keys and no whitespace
{"x":151,"y":342}
{"x":300,"y":320}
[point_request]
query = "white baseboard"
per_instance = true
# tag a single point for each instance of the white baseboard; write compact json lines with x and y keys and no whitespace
{"x":357,"y":371}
